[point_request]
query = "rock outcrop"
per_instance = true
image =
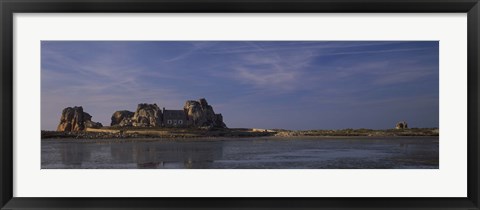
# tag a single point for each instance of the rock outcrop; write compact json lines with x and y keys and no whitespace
{"x":147,"y":115}
{"x":401,"y":125}
{"x":87,"y":121}
{"x":219,"y":121}
{"x":122,"y":118}
{"x":74,"y":119}
{"x":201,"y":114}
{"x":194,"y":114}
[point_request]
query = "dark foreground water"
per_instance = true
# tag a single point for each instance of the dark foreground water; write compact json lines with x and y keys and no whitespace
{"x":241,"y":153}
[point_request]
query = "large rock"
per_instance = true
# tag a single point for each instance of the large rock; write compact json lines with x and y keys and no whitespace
{"x":401,"y":125}
{"x":147,"y":115}
{"x":219,"y":121}
{"x":201,"y":114}
{"x":74,"y":119}
{"x":122,"y":118}
{"x":87,"y":121}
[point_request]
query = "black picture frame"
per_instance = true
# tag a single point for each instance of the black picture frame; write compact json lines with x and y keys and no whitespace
{"x":9,"y":7}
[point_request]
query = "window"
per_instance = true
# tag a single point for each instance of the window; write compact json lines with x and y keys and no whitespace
{"x":169,"y":121}
{"x":180,"y":122}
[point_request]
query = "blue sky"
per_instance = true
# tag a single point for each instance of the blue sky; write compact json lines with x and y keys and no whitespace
{"x":261,"y":84}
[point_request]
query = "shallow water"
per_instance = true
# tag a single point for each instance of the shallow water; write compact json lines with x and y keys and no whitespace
{"x":244,"y":153}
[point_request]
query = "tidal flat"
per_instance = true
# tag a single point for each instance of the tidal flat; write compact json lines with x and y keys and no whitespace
{"x":272,"y":152}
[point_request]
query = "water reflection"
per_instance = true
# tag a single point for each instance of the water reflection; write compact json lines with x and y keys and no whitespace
{"x":253,"y":153}
{"x":74,"y":154}
{"x":144,"y":154}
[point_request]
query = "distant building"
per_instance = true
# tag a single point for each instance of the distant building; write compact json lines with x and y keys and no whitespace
{"x":401,"y":125}
{"x":174,"y":118}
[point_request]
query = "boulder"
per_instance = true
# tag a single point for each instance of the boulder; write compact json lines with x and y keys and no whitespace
{"x":219,"y":121}
{"x":87,"y":121}
{"x":91,"y":124}
{"x":75,"y":119}
{"x":126,"y":122}
{"x":122,"y":118}
{"x":147,"y":115}
{"x":200,"y":114}
{"x":401,"y":125}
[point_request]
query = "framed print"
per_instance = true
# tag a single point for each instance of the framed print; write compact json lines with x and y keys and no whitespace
{"x":239,"y":105}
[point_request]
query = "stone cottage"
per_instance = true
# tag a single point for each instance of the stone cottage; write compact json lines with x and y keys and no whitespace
{"x":174,"y":118}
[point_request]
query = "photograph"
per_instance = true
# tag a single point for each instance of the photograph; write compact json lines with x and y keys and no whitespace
{"x":246,"y":104}
{"x":160,"y":104}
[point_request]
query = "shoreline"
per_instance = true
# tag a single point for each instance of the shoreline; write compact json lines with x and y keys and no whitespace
{"x":228,"y":139}
{"x":174,"y":133}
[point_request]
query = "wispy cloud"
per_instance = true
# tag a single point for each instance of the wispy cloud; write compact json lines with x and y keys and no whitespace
{"x":276,"y":46}
{"x":265,"y":81}
{"x":274,"y":72}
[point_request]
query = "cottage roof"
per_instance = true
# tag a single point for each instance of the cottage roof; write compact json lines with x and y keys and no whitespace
{"x":174,"y":113}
